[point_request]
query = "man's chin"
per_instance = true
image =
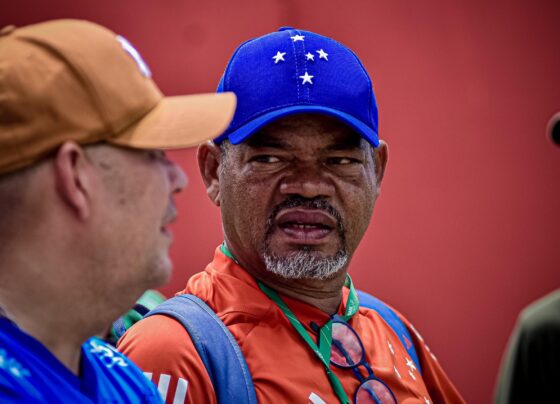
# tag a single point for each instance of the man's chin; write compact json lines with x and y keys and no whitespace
{"x":306,"y":264}
{"x":162,"y":273}
{"x":287,"y":250}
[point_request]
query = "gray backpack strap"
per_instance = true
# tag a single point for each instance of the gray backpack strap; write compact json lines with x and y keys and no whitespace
{"x":391,"y":318}
{"x":216,"y":346}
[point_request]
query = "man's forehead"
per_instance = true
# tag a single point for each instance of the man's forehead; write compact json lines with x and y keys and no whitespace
{"x":324,"y":129}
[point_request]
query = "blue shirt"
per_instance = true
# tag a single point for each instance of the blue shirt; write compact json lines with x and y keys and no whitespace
{"x":30,"y":373}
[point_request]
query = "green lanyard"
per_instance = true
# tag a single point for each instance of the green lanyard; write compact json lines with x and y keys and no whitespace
{"x":323,"y":351}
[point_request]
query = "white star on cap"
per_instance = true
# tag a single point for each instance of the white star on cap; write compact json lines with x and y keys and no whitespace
{"x":323,"y":54}
{"x":310,"y":56}
{"x":306,"y":78}
{"x":410,"y":364}
{"x":296,"y":38}
{"x":279,"y":57}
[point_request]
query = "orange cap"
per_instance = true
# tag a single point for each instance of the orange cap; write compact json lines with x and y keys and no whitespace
{"x":75,"y":80}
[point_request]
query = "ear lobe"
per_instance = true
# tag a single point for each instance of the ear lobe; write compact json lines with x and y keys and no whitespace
{"x":72,"y":178}
{"x":209,"y":160}
{"x":381,"y":155}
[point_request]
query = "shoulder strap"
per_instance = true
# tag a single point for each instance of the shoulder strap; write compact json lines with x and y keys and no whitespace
{"x":217,"y":348}
{"x":391,"y":318}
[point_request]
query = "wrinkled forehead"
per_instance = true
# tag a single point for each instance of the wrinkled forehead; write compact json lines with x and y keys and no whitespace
{"x":321,"y":130}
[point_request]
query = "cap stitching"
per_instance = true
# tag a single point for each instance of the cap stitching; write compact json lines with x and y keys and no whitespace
{"x":296,"y":63}
{"x":306,"y":89}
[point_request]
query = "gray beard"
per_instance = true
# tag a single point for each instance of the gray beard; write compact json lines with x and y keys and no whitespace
{"x":305,"y":265}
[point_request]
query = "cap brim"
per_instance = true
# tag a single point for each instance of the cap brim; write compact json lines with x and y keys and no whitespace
{"x":179,"y":122}
{"x":253,"y":126}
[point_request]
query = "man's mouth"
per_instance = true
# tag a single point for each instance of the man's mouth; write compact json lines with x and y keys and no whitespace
{"x":166,"y":232}
{"x":168,"y":219}
{"x":309,"y":226}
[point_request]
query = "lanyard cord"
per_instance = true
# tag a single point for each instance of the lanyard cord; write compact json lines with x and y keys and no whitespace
{"x":323,"y":351}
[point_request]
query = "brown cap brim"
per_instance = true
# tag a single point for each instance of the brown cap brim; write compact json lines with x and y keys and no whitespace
{"x":181,"y":121}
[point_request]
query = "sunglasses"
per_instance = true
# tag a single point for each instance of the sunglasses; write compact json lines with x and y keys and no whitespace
{"x":348,"y":353}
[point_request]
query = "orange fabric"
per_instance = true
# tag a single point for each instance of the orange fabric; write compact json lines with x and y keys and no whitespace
{"x":75,"y":80}
{"x":283,"y":367}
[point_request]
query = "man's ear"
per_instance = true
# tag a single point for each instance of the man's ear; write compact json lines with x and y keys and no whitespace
{"x":73,"y":178}
{"x":209,"y":160}
{"x":381,"y":155}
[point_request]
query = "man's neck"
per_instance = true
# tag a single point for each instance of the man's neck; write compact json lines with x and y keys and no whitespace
{"x":48,"y":311}
{"x":326,"y":295}
{"x":55,"y":337}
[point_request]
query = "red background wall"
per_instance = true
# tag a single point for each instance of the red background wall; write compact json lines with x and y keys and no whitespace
{"x":467,"y":231}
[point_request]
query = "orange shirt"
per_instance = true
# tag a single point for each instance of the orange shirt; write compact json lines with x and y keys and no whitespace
{"x":283,"y":367}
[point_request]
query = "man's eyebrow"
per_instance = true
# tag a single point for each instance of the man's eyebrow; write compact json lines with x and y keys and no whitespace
{"x":261,"y":140}
{"x":344,"y":146}
{"x":349,"y":143}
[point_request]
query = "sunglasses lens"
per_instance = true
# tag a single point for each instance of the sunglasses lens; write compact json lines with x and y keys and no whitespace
{"x":374,"y":391}
{"x":346,"y":348}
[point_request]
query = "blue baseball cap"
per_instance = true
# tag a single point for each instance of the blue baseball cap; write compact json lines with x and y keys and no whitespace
{"x":293,"y":71}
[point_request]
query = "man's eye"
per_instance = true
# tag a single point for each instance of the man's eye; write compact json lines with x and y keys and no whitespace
{"x":342,"y":160}
{"x":265,"y":159}
{"x":157,"y":155}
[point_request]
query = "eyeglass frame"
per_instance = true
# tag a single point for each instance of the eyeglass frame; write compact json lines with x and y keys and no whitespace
{"x":336,"y":319}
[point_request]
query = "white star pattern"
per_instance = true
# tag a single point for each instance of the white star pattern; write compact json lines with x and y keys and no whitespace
{"x":397,"y":372}
{"x":296,"y":38}
{"x":310,"y":56}
{"x":390,"y":347}
{"x":323,"y":54}
{"x":426,"y":401}
{"x":412,"y":375}
{"x":306,"y":78}
{"x":410,"y":364}
{"x":279,"y":57}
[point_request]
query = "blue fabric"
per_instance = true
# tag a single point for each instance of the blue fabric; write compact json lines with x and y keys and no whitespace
{"x":119,"y":327}
{"x":217,"y":348}
{"x":268,"y":88}
{"x":391,"y":318}
{"x":30,"y":373}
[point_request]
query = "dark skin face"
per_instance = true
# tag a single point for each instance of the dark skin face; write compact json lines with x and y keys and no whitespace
{"x":304,"y":182}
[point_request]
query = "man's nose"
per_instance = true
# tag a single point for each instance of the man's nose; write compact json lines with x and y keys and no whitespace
{"x":308,"y":181}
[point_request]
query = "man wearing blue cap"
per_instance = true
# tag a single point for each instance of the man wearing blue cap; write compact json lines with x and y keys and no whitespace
{"x":296,"y":176}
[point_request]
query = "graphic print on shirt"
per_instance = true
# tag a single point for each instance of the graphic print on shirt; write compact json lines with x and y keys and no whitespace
{"x":108,"y":355}
{"x":178,"y":395}
{"x":12,"y":365}
{"x":315,"y":399}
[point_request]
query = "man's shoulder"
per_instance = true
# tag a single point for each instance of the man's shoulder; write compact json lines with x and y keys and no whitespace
{"x":163,"y":349}
{"x":29,"y":372}
{"x":23,"y":362}
{"x":113,"y":374}
{"x":158,"y":331}
{"x":16,"y":376}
